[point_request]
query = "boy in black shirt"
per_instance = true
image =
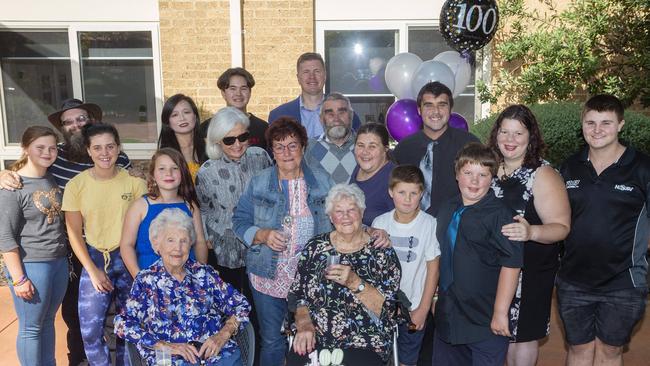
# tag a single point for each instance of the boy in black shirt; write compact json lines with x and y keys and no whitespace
{"x":479,"y":267}
{"x":601,"y":284}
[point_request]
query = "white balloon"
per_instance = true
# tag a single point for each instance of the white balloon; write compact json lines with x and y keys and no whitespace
{"x":399,"y":74}
{"x":432,"y":71}
{"x":459,"y":66}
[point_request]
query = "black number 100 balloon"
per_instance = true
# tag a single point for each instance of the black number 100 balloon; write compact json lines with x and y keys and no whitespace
{"x":468,"y":25}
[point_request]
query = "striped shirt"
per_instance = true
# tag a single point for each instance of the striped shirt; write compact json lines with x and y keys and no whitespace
{"x":63,"y":169}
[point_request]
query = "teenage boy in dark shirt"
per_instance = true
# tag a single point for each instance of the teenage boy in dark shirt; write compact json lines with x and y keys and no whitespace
{"x":479,"y":267}
{"x":601,"y":284}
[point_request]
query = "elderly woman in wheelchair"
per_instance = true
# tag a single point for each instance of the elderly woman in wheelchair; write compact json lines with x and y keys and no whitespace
{"x":180,"y":307}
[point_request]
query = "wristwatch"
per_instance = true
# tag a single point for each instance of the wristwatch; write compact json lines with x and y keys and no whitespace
{"x":361,"y":287}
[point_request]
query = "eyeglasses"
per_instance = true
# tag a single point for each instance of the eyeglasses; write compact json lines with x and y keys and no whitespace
{"x":231,"y":139}
{"x":80,"y":120}
{"x":292,"y":147}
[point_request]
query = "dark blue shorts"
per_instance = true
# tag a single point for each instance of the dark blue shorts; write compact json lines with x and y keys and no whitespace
{"x":408,"y":345}
{"x":608,"y":315}
{"x":489,"y":352}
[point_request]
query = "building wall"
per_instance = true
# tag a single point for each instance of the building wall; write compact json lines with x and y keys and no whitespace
{"x":195,"y":47}
{"x":275,"y":34}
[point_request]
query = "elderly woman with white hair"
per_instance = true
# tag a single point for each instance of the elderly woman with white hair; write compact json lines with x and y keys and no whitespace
{"x":345,"y":289}
{"x":181,"y":305}
{"x":219,"y":184}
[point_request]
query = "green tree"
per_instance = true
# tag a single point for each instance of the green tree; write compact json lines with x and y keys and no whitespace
{"x":597,"y":46}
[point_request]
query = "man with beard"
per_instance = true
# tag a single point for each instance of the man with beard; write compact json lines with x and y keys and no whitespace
{"x":72,"y":159}
{"x":333,"y":150}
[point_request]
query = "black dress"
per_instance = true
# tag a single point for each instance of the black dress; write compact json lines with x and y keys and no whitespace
{"x":530,"y":312}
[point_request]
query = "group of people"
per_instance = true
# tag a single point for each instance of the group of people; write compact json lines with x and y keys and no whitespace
{"x":313,"y":230}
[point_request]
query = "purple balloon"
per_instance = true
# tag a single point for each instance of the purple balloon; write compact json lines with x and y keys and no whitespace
{"x":458,"y":121}
{"x":403,"y":119}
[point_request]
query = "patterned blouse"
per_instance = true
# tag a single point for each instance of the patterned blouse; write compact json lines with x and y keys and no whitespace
{"x":299,"y":227}
{"x":219,"y":184}
{"x":340,"y":318}
{"x":160,"y":308}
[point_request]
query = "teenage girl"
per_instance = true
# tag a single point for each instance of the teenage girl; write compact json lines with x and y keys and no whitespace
{"x":170,"y":186}
{"x":33,"y":247}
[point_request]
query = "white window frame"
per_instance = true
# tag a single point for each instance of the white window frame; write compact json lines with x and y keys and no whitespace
{"x":481,"y":110}
{"x":136,"y":151}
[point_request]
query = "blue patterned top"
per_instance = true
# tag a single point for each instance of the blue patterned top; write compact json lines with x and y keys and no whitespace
{"x":161,"y":308}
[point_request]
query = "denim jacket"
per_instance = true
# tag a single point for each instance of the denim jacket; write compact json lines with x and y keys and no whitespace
{"x":263,"y":205}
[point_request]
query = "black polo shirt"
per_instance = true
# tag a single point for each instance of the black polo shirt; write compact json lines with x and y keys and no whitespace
{"x":464,"y":313}
{"x":607,"y":244}
{"x":412,"y":149}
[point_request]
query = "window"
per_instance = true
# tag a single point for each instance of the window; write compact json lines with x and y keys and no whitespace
{"x":36,"y":78}
{"x":356,"y":53}
{"x":356,"y":62}
{"x":114,"y":68}
{"x":117,"y":74}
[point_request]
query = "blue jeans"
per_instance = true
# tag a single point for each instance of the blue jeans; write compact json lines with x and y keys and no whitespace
{"x":94,"y":305}
{"x":35,"y":341}
{"x":271,"y":312}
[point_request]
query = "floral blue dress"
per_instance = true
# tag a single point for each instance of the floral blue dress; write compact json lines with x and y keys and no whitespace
{"x":339,"y":317}
{"x":161,"y":308}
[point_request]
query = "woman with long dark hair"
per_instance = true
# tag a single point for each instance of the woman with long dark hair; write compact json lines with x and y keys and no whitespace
{"x":95,"y":202}
{"x":170,"y":186}
{"x":373,"y":169}
{"x":181,"y":131}
{"x":529,"y":185}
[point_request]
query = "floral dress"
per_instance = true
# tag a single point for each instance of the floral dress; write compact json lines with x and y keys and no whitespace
{"x":161,"y":308}
{"x":530,"y":312}
{"x":340,"y":318}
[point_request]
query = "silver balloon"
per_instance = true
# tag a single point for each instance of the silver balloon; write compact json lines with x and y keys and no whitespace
{"x":432,"y":71}
{"x":459,"y":66}
{"x":399,"y":74}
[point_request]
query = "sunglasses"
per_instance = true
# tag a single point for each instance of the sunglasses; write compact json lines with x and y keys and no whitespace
{"x":231,"y":139}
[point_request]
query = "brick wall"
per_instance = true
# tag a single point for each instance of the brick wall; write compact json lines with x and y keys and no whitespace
{"x":275,"y":34}
{"x":195,"y":47}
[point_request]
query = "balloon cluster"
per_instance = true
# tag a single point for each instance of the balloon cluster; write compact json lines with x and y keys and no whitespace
{"x":406,"y":74}
{"x":466,"y":26}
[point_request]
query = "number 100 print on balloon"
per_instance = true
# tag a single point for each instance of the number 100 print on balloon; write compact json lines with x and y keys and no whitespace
{"x":468,"y":25}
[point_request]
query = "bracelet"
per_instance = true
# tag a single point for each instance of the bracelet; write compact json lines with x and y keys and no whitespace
{"x":22,"y":280}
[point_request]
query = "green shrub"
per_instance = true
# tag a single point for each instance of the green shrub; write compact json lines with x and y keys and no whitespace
{"x":560,"y":125}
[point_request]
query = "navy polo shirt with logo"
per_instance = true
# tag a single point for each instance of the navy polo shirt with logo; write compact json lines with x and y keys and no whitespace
{"x":610,"y":224}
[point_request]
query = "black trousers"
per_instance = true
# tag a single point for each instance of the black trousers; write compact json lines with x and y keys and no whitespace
{"x":76,"y":352}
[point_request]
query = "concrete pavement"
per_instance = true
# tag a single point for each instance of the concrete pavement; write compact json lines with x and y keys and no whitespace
{"x":552,"y":352}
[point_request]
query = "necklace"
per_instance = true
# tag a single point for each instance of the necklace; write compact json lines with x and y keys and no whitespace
{"x":343,"y":246}
{"x":505,"y":174}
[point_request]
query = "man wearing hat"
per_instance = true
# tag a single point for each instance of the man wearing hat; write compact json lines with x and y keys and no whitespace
{"x":72,"y":159}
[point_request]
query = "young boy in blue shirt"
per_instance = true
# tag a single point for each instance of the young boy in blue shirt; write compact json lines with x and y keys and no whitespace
{"x":412,"y":233}
{"x":479,"y":267}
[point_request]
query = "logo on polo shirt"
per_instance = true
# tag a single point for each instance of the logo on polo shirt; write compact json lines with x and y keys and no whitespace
{"x":623,"y":187}
{"x":127,"y":196}
{"x":573,"y":184}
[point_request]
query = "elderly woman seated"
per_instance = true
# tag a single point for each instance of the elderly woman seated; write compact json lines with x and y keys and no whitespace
{"x":350,"y":305}
{"x":180,"y":305}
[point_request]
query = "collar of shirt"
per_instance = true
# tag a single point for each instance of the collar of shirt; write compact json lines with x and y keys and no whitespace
{"x":350,"y":138}
{"x":190,"y":267}
{"x":317,"y":109}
